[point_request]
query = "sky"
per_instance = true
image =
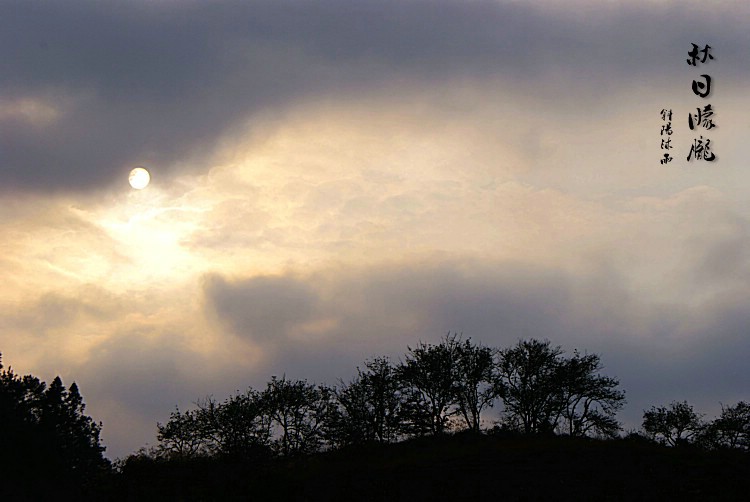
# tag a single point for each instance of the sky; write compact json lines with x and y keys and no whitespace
{"x":336,"y":180}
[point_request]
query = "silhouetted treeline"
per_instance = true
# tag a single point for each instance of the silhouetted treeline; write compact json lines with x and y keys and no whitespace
{"x":436,"y":388}
{"x":432,"y":403}
{"x":50,"y":448}
{"x":680,"y":425}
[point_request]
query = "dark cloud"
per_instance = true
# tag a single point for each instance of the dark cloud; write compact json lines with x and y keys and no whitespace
{"x":263,"y":307}
{"x":139,"y":371}
{"x":134,"y":379}
{"x":158,"y":82}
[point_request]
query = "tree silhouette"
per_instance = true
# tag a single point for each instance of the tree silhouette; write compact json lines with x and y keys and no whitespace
{"x":544,"y":391}
{"x":529,"y":387}
{"x":299,"y":410}
{"x":731,"y":429}
{"x":476,"y":387}
{"x":76,"y":434}
{"x":370,"y":406}
{"x":676,"y":425}
{"x":183,"y":436}
{"x":430,"y":376}
{"x":44,"y":430}
{"x":240,"y":426}
{"x":590,"y":400}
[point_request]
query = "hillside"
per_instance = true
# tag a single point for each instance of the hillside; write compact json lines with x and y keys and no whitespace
{"x":459,"y":467}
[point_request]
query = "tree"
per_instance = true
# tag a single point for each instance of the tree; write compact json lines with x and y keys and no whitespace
{"x":20,"y":403}
{"x":544,"y":391}
{"x":731,"y":429}
{"x":240,"y":426}
{"x":590,"y":400}
{"x":476,"y":387}
{"x":299,"y":410}
{"x":369,"y":407}
{"x":182,"y":436}
{"x":430,"y":377}
{"x":677,"y":425}
{"x":527,"y":383}
{"x":45,"y":430}
{"x":76,"y":434}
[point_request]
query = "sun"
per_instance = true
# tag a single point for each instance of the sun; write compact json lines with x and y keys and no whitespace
{"x":139,"y":178}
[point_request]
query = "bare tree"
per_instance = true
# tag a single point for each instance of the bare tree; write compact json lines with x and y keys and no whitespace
{"x":590,"y":400}
{"x":527,"y":383}
{"x":182,"y":436}
{"x":239,"y":426}
{"x":430,"y":377}
{"x":731,"y":429}
{"x":369,"y":407}
{"x":545,"y":391}
{"x":299,"y":410}
{"x":476,"y":388}
{"x":678,"y":424}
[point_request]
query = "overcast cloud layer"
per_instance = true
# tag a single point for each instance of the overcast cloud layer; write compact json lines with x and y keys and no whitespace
{"x":89,"y":89}
{"x":337,"y":180}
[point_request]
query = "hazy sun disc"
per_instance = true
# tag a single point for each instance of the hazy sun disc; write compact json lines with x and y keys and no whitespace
{"x":139,"y":178}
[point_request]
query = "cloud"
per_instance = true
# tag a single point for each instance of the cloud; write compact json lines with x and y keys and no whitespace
{"x":85,"y":93}
{"x":149,"y":352}
{"x":263,"y":307}
{"x":336,"y":180}
{"x":134,"y":354}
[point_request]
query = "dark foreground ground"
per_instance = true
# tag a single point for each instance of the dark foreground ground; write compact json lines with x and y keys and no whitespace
{"x":453,"y":468}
